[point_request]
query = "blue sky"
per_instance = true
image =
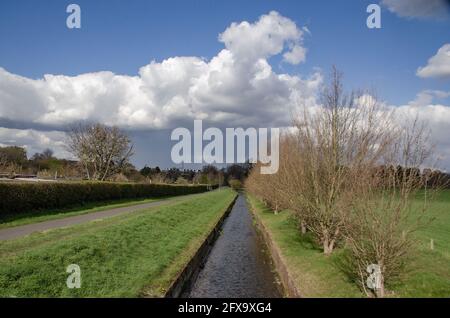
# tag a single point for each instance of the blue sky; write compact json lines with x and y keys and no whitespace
{"x":123,"y":36}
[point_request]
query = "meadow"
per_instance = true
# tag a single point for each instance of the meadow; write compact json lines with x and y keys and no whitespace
{"x":427,"y":272}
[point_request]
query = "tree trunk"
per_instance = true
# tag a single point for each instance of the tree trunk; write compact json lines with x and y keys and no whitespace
{"x":303,"y":227}
{"x":380,"y":291}
{"x":331,"y":245}
{"x":328,"y":245}
{"x":328,"y":248}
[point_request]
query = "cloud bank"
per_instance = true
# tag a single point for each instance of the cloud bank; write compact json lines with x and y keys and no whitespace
{"x":236,"y":87}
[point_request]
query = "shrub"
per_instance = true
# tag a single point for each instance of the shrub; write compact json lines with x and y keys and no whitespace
{"x":16,"y":198}
{"x":235,"y":184}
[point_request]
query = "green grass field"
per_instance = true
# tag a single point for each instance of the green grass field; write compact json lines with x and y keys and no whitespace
{"x":130,"y":255}
{"x":427,"y":274}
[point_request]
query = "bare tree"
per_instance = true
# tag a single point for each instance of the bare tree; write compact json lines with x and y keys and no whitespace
{"x":345,"y":135}
{"x":269,"y":187}
{"x":384,"y":213}
{"x":102,"y":151}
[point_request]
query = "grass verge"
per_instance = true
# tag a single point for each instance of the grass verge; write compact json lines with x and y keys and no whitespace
{"x":124,"y":256}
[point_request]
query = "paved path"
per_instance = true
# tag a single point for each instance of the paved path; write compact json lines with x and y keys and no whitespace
{"x":22,"y":230}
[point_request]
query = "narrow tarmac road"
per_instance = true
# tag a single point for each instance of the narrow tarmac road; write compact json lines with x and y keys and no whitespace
{"x":23,"y":230}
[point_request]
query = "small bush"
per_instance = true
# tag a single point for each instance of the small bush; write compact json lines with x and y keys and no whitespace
{"x":235,"y":184}
{"x":16,"y":198}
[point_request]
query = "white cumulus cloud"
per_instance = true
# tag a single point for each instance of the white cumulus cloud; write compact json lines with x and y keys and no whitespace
{"x":264,"y":38}
{"x":438,"y":65}
{"x":296,"y":55}
{"x":236,"y":87}
{"x":436,"y":115}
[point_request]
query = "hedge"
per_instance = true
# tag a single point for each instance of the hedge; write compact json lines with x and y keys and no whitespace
{"x":18,"y":198}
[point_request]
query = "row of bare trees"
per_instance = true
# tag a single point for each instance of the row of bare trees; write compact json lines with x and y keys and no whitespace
{"x":336,"y":175}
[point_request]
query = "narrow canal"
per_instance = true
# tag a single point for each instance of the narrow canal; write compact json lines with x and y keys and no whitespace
{"x":238,"y":265}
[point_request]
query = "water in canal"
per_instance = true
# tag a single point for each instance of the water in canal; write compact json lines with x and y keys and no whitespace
{"x":238,"y":265}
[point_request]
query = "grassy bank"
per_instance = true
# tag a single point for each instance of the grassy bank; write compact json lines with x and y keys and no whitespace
{"x":125,"y":256}
{"x":313,"y":274}
{"x":427,"y":275}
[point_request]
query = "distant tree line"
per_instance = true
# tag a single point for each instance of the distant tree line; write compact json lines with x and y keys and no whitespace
{"x":209,"y":174}
{"x":103,"y":153}
{"x":14,"y":160}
